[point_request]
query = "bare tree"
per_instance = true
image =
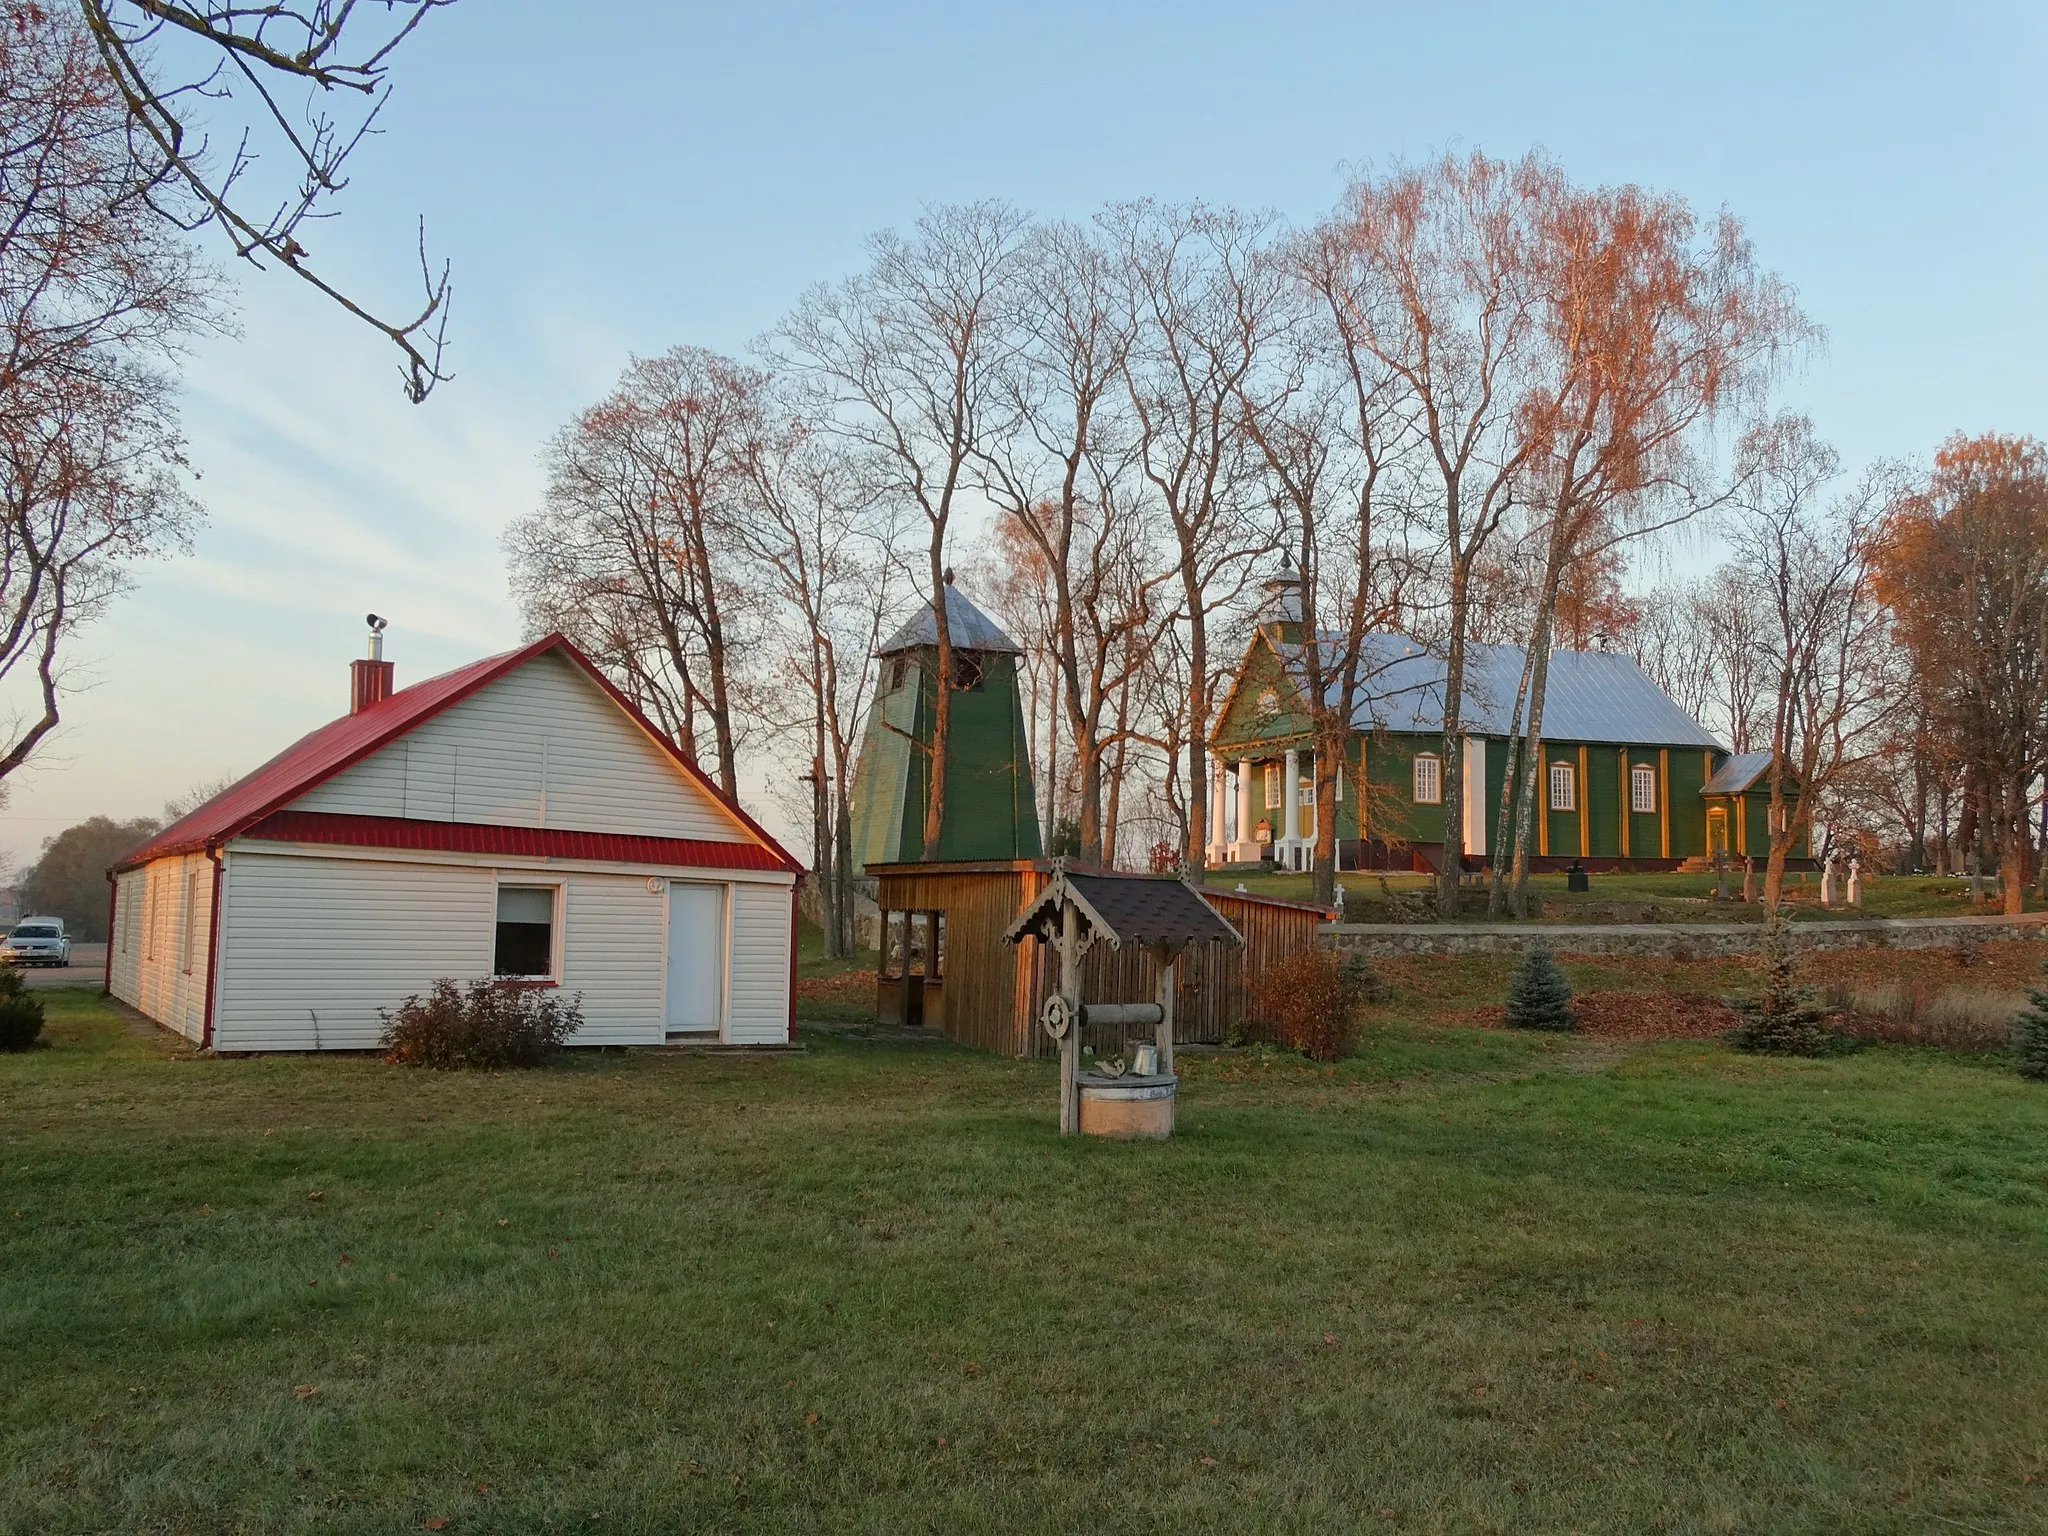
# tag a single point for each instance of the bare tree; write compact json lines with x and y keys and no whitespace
{"x":633,"y":548}
{"x":285,"y":65}
{"x":1184,"y":274}
{"x":1064,"y":482}
{"x":825,"y":547}
{"x":95,"y":295}
{"x":1963,"y":564}
{"x":1450,"y":249}
{"x":1803,"y":565}
{"x":1675,"y":648}
{"x":1330,"y":423}
{"x":910,"y":355}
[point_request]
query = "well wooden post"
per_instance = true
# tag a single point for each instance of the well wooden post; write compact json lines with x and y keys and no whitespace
{"x":1070,"y":1044}
{"x":1169,"y":975}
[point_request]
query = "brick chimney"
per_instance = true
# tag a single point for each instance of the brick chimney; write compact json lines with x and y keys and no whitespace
{"x":369,"y":681}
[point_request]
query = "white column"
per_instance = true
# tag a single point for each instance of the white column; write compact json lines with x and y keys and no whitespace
{"x":1246,"y":849}
{"x":1219,"y":846}
{"x":1472,"y":761}
{"x":1290,"y":808}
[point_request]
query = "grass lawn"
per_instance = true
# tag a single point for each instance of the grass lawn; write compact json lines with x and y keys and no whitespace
{"x":1464,"y":1282}
{"x":1883,"y":896}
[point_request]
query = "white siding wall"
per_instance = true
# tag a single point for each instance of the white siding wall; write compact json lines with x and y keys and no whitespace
{"x":757,"y":1001}
{"x":316,"y":946}
{"x":612,"y":954}
{"x":163,"y":915}
{"x":342,"y":936}
{"x":542,"y":746}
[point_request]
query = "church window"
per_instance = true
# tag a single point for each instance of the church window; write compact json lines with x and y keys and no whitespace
{"x":1428,"y":782}
{"x":1272,"y":786}
{"x":1564,"y":788}
{"x":966,"y":672}
{"x":898,"y":670}
{"x":1642,"y":788}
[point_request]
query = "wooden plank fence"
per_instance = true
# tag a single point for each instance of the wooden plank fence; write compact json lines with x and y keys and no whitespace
{"x":988,"y":992}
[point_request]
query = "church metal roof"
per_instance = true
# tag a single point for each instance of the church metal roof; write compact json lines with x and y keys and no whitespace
{"x":1591,"y":696}
{"x":1737,"y":774}
{"x":972,"y":630}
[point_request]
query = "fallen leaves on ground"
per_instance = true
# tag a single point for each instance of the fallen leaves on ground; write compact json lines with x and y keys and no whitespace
{"x":853,"y":987}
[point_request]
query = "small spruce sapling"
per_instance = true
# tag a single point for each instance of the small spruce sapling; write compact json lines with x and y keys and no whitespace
{"x":1539,"y":997}
{"x":2030,"y":1035}
{"x":21,"y":1014}
{"x":1782,"y":1018}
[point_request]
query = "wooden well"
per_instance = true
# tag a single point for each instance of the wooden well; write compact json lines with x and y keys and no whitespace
{"x":1134,"y":1108}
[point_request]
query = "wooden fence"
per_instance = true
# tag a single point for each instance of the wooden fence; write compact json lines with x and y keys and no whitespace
{"x":987,"y":993}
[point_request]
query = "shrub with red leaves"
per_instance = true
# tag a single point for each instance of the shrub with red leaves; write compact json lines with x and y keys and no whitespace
{"x":1309,"y":1002}
{"x":481,"y":1027}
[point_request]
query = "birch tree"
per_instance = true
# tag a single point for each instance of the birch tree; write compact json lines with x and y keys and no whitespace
{"x":1448,"y":248}
{"x":1651,"y":328}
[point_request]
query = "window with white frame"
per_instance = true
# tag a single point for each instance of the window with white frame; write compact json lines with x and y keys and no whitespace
{"x":1564,"y":787}
{"x":1642,"y":788}
{"x":1428,"y":783}
{"x":1272,"y":786}
{"x":524,"y":945}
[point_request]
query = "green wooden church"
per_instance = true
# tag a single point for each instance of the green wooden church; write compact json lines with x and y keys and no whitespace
{"x":991,"y":809}
{"x":1629,"y":779}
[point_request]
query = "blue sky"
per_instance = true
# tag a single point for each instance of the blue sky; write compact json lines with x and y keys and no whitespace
{"x":611,"y":178}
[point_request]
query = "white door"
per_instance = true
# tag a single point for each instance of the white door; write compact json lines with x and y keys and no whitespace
{"x":696,"y":957}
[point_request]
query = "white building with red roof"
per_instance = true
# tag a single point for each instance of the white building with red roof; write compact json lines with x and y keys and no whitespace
{"x":517,"y":818}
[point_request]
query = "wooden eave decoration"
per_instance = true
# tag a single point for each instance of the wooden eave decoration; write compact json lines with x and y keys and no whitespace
{"x":1149,"y":911}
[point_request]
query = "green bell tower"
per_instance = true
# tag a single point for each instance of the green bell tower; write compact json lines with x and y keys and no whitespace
{"x":991,"y":809}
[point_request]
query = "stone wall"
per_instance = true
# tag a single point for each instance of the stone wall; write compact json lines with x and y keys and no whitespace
{"x":1673,"y":941}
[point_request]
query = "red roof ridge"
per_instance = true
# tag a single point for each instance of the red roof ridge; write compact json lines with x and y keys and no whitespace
{"x":340,"y":744}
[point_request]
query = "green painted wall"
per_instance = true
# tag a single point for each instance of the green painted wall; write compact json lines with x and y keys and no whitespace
{"x":1603,"y":802}
{"x":991,"y":809}
{"x":1390,"y":765}
{"x":881,"y":775}
{"x":1241,"y":724}
{"x":1690,"y":768}
{"x":1645,"y":828}
{"x":1602,"y":781}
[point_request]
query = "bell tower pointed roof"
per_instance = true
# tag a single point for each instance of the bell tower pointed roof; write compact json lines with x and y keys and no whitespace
{"x":972,"y":630}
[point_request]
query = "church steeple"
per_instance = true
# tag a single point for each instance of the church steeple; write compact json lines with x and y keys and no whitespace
{"x":991,"y":806}
{"x":1282,"y":603}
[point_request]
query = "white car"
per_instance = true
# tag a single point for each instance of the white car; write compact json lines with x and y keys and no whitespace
{"x":36,"y":941}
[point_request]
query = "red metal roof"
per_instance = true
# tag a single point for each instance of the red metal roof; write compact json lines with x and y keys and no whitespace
{"x":319,"y":756}
{"x":530,"y":842}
